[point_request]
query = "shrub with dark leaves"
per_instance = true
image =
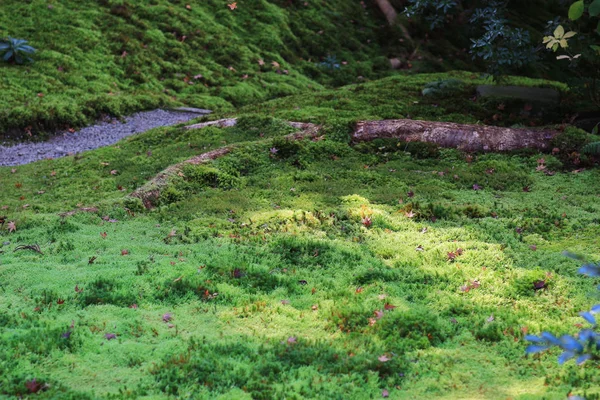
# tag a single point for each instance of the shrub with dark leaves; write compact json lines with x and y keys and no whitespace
{"x":15,"y":50}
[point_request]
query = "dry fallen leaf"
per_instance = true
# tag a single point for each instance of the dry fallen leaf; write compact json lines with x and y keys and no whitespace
{"x":383,"y":358}
{"x":232,"y":6}
{"x":11,"y":226}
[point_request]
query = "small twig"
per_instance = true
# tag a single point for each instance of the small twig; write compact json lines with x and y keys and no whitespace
{"x":33,"y":247}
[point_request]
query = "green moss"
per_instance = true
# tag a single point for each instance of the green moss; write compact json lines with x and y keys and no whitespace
{"x":322,"y":270}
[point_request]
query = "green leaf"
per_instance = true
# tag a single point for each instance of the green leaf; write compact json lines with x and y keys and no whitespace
{"x":595,"y":48}
{"x":594,"y":8}
{"x":595,"y":130}
{"x":576,"y":10}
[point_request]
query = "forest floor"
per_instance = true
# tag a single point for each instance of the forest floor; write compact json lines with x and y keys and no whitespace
{"x":309,"y":269}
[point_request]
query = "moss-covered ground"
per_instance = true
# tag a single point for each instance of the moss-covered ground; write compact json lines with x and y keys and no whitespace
{"x":311,"y":269}
{"x":115,"y":56}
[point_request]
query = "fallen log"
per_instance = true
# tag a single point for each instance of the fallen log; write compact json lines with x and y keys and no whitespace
{"x":150,"y":192}
{"x":444,"y":134}
{"x":458,"y":136}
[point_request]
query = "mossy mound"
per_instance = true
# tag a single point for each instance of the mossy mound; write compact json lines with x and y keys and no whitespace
{"x":116,"y":57}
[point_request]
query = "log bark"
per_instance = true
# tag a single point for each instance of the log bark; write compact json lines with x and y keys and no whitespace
{"x":458,"y":136}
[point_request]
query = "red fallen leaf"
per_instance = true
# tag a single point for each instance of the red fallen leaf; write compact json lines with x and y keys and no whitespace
{"x":359,"y":289}
{"x":134,"y":306}
{"x":33,"y":386}
{"x":275,"y":64}
{"x":537,"y":285}
{"x":367,"y":222}
{"x":292,"y":340}
{"x":18,"y":185}
{"x":385,"y":393}
{"x":533,"y":247}
{"x":378,"y":314}
{"x":188,"y":7}
{"x":124,"y":252}
{"x":53,"y":173}
{"x":372,"y":321}
{"x":103,"y":234}
{"x":451,"y":255}
{"x":526,"y":189}
{"x":261,"y":62}
{"x":167,"y":317}
{"x":40,"y":95}
{"x":13,"y":170}
{"x":501,"y":106}
{"x":383,"y":358}
{"x":232,"y":6}
{"x":459,"y":251}
{"x":528,"y":107}
{"x":114,"y":172}
{"x":388,"y":307}
{"x":285,"y":302}
{"x":313,"y":290}
{"x":315,"y":307}
{"x":410,"y":194}
{"x":110,"y":336}
{"x":11,"y":226}
{"x":60,"y":301}
{"x":238,"y":273}
{"x":77,"y":289}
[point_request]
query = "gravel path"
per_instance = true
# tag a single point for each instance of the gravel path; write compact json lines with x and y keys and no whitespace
{"x":91,"y":137}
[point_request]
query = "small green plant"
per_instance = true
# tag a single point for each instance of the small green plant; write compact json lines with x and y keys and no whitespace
{"x":16,"y":50}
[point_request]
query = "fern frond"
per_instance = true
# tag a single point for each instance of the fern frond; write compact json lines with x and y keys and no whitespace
{"x":592,"y":149}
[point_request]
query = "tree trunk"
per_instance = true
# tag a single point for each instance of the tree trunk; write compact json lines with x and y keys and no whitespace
{"x":392,"y":16}
{"x":458,"y":136}
{"x":388,"y":10}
